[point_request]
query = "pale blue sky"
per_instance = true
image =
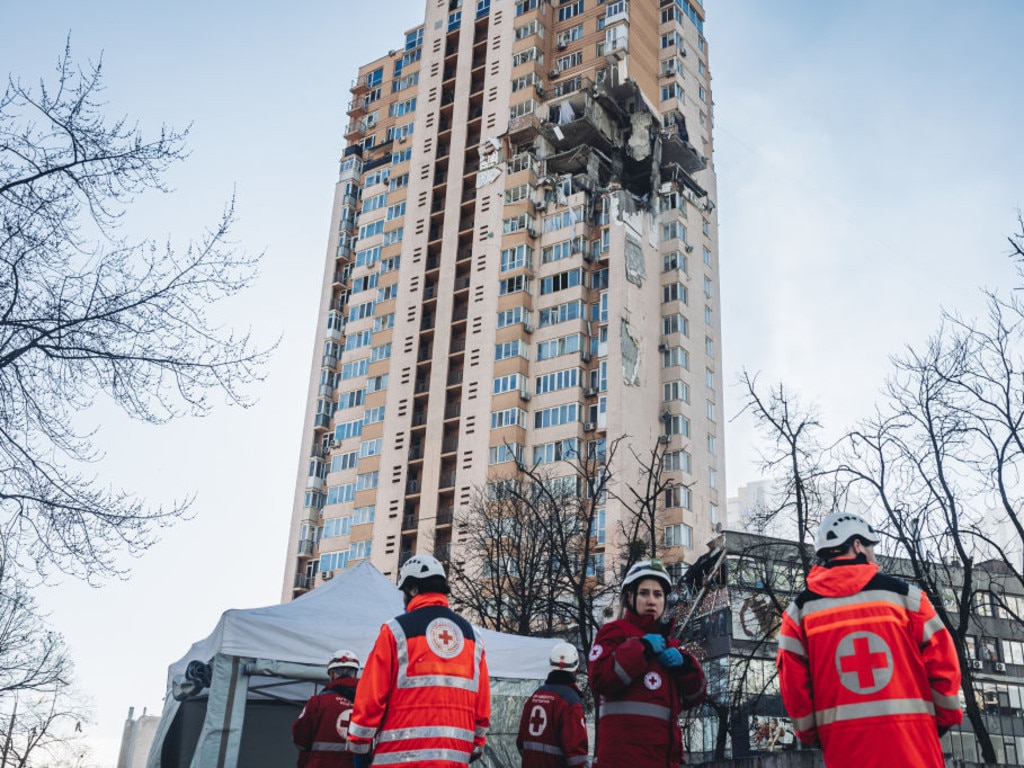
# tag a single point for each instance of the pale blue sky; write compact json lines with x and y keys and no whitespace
{"x":869,"y":168}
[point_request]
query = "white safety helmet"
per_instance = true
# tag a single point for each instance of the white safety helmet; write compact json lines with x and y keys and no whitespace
{"x":343,"y":659}
{"x":564,"y":656}
{"x":837,"y":532}
{"x":420,"y":567}
{"x":647,"y":569}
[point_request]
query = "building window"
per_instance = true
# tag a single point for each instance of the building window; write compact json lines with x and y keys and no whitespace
{"x":675,"y":357}
{"x":678,"y":536}
{"x":509,"y":317}
{"x":516,"y":258}
{"x":560,"y":450}
{"x":572,"y":9}
{"x":509,"y":417}
{"x":677,"y":390}
{"x":679,"y":496}
{"x":514,"y":348}
{"x":675,"y":324}
{"x":678,"y":425}
{"x":674,"y":292}
{"x":558,"y":380}
{"x":514,"y":382}
{"x":556,"y":347}
{"x":678,"y":461}
{"x":561,"y":414}
{"x":499,"y":454}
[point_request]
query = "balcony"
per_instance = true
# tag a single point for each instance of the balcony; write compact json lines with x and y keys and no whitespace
{"x":445,"y":515}
{"x":409,"y":522}
{"x":356,"y":130}
{"x":443,"y":552}
{"x":523,"y":128}
{"x":580,"y":119}
{"x":306,"y":547}
{"x":676,"y":147}
{"x":302,"y":581}
{"x":447,"y":480}
{"x":453,"y":410}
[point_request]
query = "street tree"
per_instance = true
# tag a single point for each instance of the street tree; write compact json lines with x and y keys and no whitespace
{"x":943,"y":462}
{"x":89,"y":314}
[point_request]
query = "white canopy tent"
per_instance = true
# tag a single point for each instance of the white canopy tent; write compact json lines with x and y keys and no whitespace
{"x":267,"y":661}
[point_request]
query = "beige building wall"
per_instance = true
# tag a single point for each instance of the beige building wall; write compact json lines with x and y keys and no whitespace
{"x":557,"y":154}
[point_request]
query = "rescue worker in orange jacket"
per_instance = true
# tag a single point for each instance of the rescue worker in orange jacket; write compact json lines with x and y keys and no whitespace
{"x":322,"y":728}
{"x":644,"y":678}
{"x":552,"y":729}
{"x":866,"y":667}
{"x":424,"y":698}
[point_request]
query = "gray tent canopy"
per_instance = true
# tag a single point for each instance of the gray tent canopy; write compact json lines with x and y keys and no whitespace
{"x":265,"y":662}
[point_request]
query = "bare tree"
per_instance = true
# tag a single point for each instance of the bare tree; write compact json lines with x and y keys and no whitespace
{"x":794,"y":459}
{"x":531,"y":551}
{"x":44,"y":729}
{"x":943,"y":462}
{"x":507,"y":577}
{"x":33,"y":658}
{"x":86,"y":313}
{"x":643,"y":504}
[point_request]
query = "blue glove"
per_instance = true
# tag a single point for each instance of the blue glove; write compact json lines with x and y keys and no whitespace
{"x":671,"y":658}
{"x":361,"y":761}
{"x":655,"y":642}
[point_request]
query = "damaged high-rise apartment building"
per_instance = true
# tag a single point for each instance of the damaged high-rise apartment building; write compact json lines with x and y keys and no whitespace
{"x":522,"y":263}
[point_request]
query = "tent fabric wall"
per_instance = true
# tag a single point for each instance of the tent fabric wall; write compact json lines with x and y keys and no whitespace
{"x":346,"y":612}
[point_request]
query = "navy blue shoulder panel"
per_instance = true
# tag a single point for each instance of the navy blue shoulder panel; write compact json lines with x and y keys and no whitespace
{"x":888,"y":583}
{"x":414,"y":623}
{"x":879,"y":582}
{"x":563,"y":691}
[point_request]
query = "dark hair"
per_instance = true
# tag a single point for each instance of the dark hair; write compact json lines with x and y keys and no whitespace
{"x":437,"y":584}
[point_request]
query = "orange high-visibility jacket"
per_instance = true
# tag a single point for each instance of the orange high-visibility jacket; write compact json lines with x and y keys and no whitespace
{"x":867,"y":668}
{"x":424,"y":697}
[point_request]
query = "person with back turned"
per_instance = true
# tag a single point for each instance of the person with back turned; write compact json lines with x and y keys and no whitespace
{"x":321,"y":730}
{"x":866,"y":667}
{"x":424,"y":698}
{"x":552,"y":729}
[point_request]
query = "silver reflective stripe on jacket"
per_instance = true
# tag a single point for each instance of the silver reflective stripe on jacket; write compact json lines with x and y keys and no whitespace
{"x":621,"y":674}
{"x":910,"y":602}
{"x":539,"y":746}
{"x":414,"y":756}
{"x":328,"y":746}
{"x":803,"y":723}
{"x":361,"y":731}
{"x":578,"y":760}
{"x":946,"y":702}
{"x":933,"y":625}
{"x":635,"y":708}
{"x":427,"y":732}
{"x":868,"y":709}
{"x":791,"y":644}
{"x":428,"y":681}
